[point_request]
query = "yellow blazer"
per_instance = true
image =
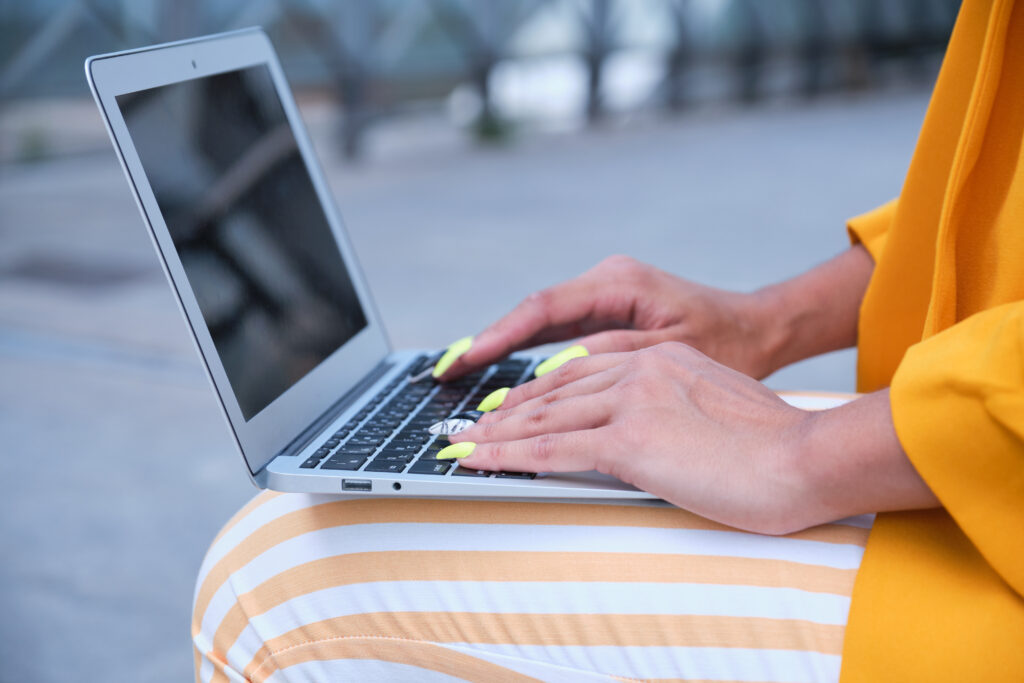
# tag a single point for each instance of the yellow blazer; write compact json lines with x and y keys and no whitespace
{"x":939,"y":594}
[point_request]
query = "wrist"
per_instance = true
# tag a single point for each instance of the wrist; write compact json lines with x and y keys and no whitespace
{"x":849,"y":461}
{"x":815,"y":474}
{"x":796,"y":474}
{"x":769,"y":328}
{"x":813,"y":313}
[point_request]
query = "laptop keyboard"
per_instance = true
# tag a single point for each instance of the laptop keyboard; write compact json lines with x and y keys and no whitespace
{"x":389,"y":434}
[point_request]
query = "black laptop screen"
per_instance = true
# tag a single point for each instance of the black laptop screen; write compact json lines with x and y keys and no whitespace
{"x":247,"y":224}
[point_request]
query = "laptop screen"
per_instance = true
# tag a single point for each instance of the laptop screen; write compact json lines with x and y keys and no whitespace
{"x":248,"y":226}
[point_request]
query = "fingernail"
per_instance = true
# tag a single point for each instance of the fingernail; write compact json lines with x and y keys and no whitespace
{"x":455,"y":451}
{"x":494,"y":399}
{"x":561,"y":358}
{"x":455,"y":423}
{"x":455,"y":349}
{"x":450,"y":427}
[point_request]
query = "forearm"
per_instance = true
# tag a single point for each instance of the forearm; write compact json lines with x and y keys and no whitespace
{"x":851,"y":462}
{"x":815,"y":312}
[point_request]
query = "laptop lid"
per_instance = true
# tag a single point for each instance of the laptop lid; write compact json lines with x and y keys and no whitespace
{"x":227,"y":181}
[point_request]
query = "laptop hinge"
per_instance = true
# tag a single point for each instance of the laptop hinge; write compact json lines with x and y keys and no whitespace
{"x":332,"y":413}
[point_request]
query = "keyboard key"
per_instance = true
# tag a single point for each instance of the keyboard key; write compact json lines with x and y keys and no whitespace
{"x":394,"y":466}
{"x":378,"y":428}
{"x":448,"y":394}
{"x":311,"y":462}
{"x":354,"y":449}
{"x":433,"y":449}
{"x":502,"y":376}
{"x":422,"y":424}
{"x":515,"y":475}
{"x":369,"y":434}
{"x":466,"y":472}
{"x":412,"y":435}
{"x":431,"y":467}
{"x":402,"y":401}
{"x":359,"y":440}
{"x":332,"y":443}
{"x":377,"y":425}
{"x":407,"y":439}
{"x":370,"y":437}
{"x":396,"y":454}
{"x":322,"y":452}
{"x":423,"y":363}
{"x":429,"y":413}
{"x":344,"y":463}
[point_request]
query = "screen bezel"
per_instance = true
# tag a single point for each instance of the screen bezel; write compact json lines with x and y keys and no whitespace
{"x":264,"y":435}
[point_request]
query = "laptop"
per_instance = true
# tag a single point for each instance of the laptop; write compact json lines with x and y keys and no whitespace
{"x":225,"y":176}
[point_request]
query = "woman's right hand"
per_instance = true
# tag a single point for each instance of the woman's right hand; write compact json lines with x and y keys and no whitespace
{"x":625,"y":305}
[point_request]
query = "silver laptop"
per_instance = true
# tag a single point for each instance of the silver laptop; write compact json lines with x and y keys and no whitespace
{"x":225,"y":176}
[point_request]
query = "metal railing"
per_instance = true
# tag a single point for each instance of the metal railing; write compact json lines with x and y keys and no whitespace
{"x":377,"y":56}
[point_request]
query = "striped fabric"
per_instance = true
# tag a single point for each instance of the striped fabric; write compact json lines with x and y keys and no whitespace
{"x":319,"y":588}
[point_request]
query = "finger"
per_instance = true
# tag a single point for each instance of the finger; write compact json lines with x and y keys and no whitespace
{"x":553,"y":307}
{"x":574,"y":413}
{"x":572,"y":371}
{"x":575,"y":451}
{"x":529,"y":399}
{"x":604,"y":341}
{"x":626,"y":340}
{"x":587,"y":386}
{"x":553,"y":314}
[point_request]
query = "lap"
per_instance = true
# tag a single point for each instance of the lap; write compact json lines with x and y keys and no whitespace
{"x":306,"y":587}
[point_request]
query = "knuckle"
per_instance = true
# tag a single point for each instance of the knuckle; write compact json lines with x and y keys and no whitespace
{"x":549,"y":398}
{"x":567,"y":371}
{"x":542,"y":448}
{"x":635,"y":425}
{"x":496,"y":452}
{"x":619,"y":262}
{"x":665,"y":349}
{"x":638,"y":391}
{"x":540,"y":299}
{"x":668,"y":353}
{"x":648,"y":360}
{"x":632,"y":385}
{"x":628,"y":270}
{"x":487,"y":430}
{"x":537,"y":418}
{"x":636,"y":363}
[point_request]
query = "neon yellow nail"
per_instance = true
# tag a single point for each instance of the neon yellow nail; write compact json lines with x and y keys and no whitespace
{"x":493,"y":400}
{"x":560,"y":359}
{"x":455,"y":349}
{"x":456,"y":451}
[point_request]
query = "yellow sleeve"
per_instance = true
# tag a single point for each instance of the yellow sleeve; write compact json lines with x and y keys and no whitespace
{"x":958,"y":406}
{"x":871,"y":228}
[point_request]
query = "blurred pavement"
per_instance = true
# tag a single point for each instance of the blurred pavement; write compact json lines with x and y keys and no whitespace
{"x":117,"y":466}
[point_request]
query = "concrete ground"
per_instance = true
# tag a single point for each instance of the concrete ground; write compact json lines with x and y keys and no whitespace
{"x":116,"y":464}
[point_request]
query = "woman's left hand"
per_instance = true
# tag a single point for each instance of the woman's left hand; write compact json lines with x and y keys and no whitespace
{"x":666,"y":419}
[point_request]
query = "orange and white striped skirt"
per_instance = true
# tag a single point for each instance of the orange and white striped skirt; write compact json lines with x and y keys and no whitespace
{"x":319,"y":588}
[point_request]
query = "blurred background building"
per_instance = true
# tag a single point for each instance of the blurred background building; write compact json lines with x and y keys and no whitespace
{"x":479,"y":150}
{"x":490,"y":66}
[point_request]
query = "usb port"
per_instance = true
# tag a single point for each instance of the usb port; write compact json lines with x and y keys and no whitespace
{"x":356,"y":485}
